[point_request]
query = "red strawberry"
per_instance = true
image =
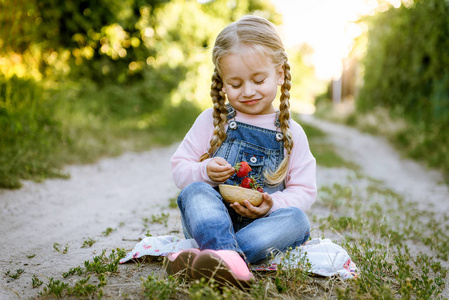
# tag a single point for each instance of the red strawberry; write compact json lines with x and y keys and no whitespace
{"x":242,"y":168}
{"x":247,"y":182}
{"x":260,"y":189}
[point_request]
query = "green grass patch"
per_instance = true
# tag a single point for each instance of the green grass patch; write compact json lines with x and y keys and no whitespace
{"x":398,"y":250}
{"x":381,"y":213}
{"x":15,"y":275}
{"x":173,"y":203}
{"x":101,"y":266}
{"x":44,"y":129}
{"x":379,"y":227}
{"x":159,"y":288}
{"x":88,"y":243}
{"x":108,"y":231}
{"x":157,"y":219}
{"x":57,"y":248}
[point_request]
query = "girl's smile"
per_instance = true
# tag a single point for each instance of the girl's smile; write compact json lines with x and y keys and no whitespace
{"x":250,"y":82}
{"x":252,"y":102}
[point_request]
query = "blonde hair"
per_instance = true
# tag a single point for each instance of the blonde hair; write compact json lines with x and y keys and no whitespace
{"x":251,"y":34}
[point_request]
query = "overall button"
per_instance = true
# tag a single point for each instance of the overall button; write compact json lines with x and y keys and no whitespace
{"x":279,"y":136}
{"x":253,"y":159}
{"x":233,"y":124}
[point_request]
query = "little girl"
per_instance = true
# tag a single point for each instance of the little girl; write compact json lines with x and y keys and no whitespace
{"x":250,"y":63}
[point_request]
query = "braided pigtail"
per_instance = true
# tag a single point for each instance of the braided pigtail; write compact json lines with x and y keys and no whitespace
{"x":280,"y":173}
{"x":220,"y":115}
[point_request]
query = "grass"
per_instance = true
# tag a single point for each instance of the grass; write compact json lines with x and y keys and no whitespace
{"x":157,"y":219}
{"x":400,"y":252}
{"x":379,"y":229}
{"x":88,"y":243}
{"x":108,"y":231}
{"x":42,"y":129}
{"x":426,"y":143}
{"x":57,"y":248}
{"x":15,"y":275}
{"x":36,"y":282}
{"x":102,"y":267}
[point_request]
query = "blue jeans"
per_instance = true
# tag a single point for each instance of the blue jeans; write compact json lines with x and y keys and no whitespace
{"x":214,"y":225}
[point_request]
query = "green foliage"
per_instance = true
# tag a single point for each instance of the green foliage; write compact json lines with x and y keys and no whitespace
{"x":28,"y":132}
{"x":154,"y":288}
{"x":406,"y":73}
{"x":292,"y":272}
{"x":15,"y":275}
{"x":84,"y":79}
{"x":208,"y":289}
{"x":55,"y":288}
{"x":378,"y":225}
{"x":103,"y":263}
{"x":406,"y":63}
{"x":101,"y":266}
{"x":88,"y":243}
{"x":424,"y":143}
{"x":57,"y":248}
{"x":173,"y":203}
{"x":36,"y":282}
{"x":108,"y":231}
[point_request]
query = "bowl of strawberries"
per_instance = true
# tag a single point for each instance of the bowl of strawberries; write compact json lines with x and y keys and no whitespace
{"x":248,"y":189}
{"x":235,"y":193}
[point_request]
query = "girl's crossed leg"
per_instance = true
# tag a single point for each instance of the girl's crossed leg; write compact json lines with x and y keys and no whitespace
{"x":206,"y":219}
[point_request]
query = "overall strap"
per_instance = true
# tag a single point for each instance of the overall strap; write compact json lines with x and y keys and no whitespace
{"x":231,"y":115}
{"x":231,"y":111}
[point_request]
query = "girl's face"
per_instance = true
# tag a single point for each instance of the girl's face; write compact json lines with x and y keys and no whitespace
{"x":251,"y":82}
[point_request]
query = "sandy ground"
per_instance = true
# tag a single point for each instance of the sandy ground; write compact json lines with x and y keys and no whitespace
{"x":118,"y":193}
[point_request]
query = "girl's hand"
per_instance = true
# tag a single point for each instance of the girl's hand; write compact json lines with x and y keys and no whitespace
{"x":254,"y":212}
{"x":219,"y":170}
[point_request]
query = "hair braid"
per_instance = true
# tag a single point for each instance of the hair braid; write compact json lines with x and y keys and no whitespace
{"x":284,"y":108}
{"x":279,"y":174}
{"x":220,"y":115}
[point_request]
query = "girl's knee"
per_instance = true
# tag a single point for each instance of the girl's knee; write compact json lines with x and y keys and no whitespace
{"x":298,"y":217}
{"x":301,"y":223}
{"x":194,"y":191}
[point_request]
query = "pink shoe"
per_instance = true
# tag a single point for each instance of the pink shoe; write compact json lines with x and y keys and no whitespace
{"x":225,"y":266}
{"x":180,"y":262}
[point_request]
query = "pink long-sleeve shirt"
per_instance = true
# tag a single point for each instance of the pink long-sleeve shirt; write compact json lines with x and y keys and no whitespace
{"x":300,"y":183}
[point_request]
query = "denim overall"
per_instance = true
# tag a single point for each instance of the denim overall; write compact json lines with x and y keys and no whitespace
{"x":208,"y":219}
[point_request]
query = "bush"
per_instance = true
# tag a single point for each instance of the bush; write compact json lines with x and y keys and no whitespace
{"x":28,"y":132}
{"x":85,"y":79}
{"x":406,"y":63}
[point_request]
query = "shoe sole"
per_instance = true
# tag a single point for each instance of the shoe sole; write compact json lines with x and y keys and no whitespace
{"x":211,"y":266}
{"x":180,"y":264}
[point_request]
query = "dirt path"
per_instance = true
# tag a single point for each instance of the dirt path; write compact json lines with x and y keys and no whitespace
{"x":118,"y":193}
{"x":379,"y":160}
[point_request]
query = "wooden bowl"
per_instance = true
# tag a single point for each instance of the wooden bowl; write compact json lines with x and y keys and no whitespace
{"x":232,"y":193}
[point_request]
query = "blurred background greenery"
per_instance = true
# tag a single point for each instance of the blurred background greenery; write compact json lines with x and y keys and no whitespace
{"x":84,"y":79}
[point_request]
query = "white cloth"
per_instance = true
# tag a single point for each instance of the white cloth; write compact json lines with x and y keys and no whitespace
{"x":325,"y":257}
